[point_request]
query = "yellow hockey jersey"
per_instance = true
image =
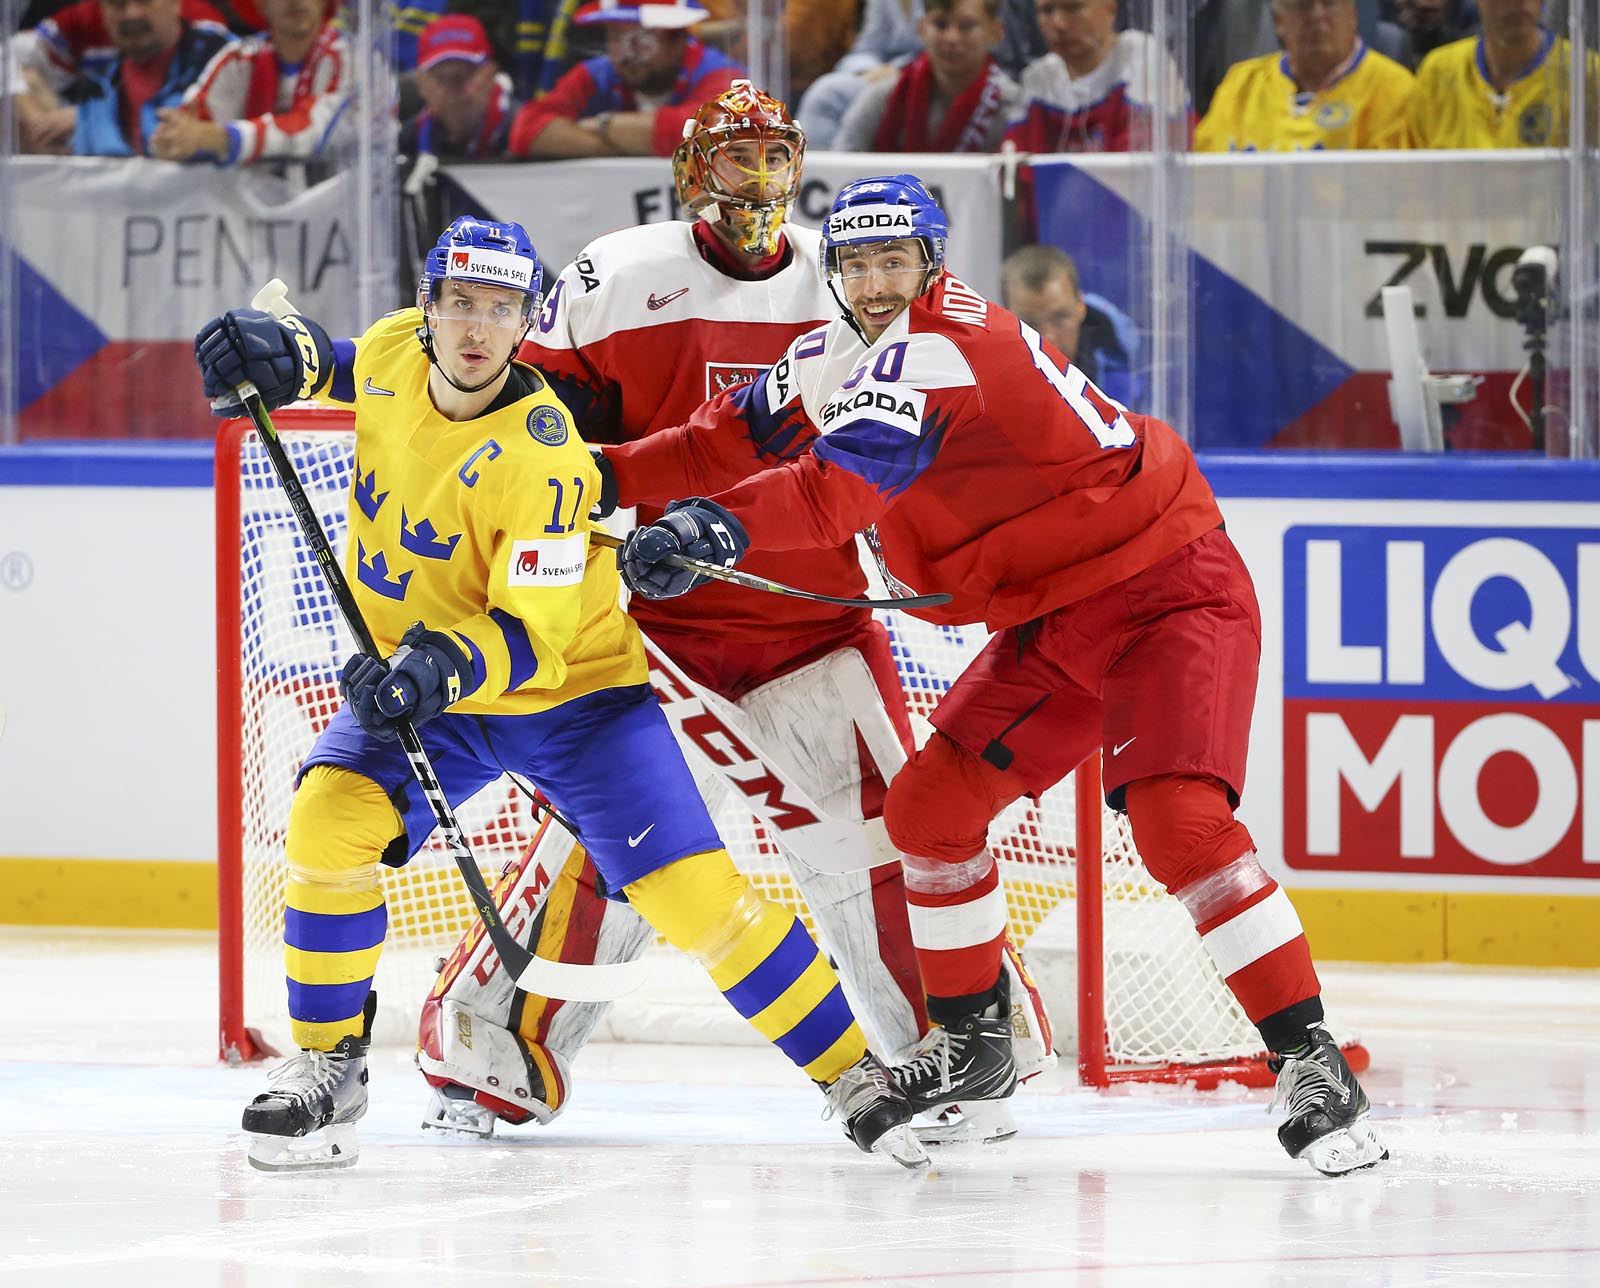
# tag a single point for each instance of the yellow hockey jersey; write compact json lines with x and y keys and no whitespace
{"x":1456,"y":106}
{"x":481,"y":528}
{"x":1259,"y":108}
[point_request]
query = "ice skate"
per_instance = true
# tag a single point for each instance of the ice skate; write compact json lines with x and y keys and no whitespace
{"x":963,"y":1075}
{"x":1327,"y":1124}
{"x":975,"y":1122}
{"x":454,"y":1109}
{"x":875,"y":1113}
{"x":307,"y":1121}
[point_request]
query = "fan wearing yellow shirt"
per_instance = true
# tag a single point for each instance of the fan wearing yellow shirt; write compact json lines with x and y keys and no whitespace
{"x":508,"y":649}
{"x":1506,"y":88}
{"x":1326,"y":90}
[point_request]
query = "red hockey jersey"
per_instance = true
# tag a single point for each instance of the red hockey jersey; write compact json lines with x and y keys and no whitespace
{"x":994,"y":469}
{"x":639,"y":331}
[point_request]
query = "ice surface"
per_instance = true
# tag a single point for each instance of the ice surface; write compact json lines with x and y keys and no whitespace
{"x":121,"y":1159}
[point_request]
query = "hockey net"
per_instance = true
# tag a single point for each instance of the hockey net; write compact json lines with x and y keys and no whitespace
{"x":1116,"y":957}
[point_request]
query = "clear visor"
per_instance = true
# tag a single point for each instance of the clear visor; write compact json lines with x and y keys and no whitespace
{"x":479,"y":306}
{"x":897,"y":261}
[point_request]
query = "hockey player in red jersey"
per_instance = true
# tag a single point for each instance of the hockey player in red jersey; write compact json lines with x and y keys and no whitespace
{"x":643,"y":327}
{"x":1088,"y":541}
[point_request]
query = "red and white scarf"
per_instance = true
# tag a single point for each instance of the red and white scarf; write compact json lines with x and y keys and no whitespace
{"x":966,"y":126}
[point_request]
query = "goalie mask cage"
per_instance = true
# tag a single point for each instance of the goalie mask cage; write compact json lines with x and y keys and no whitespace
{"x":1110,"y":949}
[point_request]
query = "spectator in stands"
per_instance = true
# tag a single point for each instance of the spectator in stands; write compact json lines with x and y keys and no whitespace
{"x":890,"y":38}
{"x":1326,"y":90}
{"x":53,"y":44}
{"x":634,"y":100}
{"x":1427,"y":24}
{"x":1040,"y":285}
{"x":281,"y":96}
{"x":817,"y":33}
{"x":952,"y":97}
{"x":528,"y":39}
{"x":887,"y":41}
{"x":1507,"y":88}
{"x":469,"y":103}
{"x":1022,"y":42}
{"x":1095,"y":90}
{"x":1225,"y":32}
{"x":102,"y":99}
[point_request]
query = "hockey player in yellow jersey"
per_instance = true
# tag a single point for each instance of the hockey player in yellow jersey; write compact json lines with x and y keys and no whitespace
{"x":1325,"y":90}
{"x":507,"y":647}
{"x":1509,"y":87}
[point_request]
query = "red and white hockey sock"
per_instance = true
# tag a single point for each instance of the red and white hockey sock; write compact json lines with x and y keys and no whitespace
{"x":1254,"y":936}
{"x":958,"y":924}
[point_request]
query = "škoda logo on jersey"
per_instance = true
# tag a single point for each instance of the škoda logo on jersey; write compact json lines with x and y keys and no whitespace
{"x":493,"y":266}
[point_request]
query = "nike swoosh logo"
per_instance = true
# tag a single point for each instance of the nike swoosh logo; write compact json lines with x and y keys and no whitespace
{"x":661,"y":301}
{"x":374,"y":389}
{"x":1123,"y":746}
{"x":634,"y":840}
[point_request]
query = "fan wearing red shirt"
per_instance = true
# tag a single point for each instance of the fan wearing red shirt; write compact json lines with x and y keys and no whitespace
{"x":636,"y":98}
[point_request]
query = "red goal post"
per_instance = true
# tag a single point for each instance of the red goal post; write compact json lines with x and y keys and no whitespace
{"x":1116,"y":957}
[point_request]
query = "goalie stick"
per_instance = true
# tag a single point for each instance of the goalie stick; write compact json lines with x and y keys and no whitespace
{"x":533,"y":974}
{"x":745,"y":579}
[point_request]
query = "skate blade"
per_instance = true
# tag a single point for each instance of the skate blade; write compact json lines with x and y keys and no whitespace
{"x":332,"y":1147}
{"x":899,"y":1144}
{"x":983,"y":1122}
{"x":479,"y":1124}
{"x":1348,"y":1150}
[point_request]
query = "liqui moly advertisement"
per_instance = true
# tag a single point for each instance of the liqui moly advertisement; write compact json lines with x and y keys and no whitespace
{"x":1441,"y":699}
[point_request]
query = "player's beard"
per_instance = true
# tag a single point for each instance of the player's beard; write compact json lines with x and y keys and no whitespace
{"x":859,"y":308}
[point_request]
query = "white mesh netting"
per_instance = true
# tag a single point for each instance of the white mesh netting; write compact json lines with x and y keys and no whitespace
{"x":1164,"y":1001}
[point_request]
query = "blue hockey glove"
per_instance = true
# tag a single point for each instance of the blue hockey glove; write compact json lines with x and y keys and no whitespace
{"x":248,"y":344}
{"x":697,"y":528}
{"x":426,"y":674}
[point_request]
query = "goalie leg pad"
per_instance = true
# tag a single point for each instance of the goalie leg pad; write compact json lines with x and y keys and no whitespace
{"x":521,"y":1042}
{"x":1032,"y":1035}
{"x":510,"y":1079}
{"x":834,"y":730}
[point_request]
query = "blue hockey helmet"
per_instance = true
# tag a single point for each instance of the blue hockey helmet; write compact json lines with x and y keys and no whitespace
{"x":886,"y":208}
{"x":487,"y":252}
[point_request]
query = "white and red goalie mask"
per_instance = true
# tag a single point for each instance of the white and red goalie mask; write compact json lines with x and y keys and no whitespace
{"x":739,"y":166}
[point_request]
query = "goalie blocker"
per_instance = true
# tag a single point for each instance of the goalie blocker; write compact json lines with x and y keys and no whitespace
{"x":492,"y":1051}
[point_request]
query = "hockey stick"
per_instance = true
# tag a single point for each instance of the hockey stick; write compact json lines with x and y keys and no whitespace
{"x":533,"y":974}
{"x":745,"y":579}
